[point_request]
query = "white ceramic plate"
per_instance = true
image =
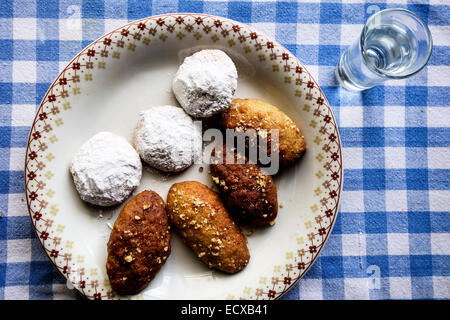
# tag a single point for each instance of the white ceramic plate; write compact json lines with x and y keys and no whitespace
{"x":106,"y":86}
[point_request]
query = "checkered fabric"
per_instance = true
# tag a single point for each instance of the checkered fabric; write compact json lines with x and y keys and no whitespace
{"x":392,"y":236}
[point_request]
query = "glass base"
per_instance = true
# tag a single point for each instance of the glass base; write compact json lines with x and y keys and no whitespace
{"x":344,"y":81}
{"x":343,"y":78}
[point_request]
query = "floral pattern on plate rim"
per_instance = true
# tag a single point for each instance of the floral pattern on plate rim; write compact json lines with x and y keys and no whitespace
{"x":159,"y":28}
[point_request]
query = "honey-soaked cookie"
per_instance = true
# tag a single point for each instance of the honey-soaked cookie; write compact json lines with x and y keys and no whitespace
{"x":139,"y":243}
{"x":206,"y":227}
{"x":250,"y":194}
{"x":262,"y":117}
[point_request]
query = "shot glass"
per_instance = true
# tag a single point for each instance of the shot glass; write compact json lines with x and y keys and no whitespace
{"x":394,"y":44}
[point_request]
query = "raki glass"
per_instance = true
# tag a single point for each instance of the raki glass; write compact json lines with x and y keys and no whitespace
{"x":394,"y":44}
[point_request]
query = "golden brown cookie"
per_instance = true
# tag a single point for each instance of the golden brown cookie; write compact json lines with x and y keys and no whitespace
{"x":205,"y":225}
{"x":256,"y":114}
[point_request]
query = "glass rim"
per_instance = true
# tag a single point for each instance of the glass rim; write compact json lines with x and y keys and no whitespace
{"x":428,"y":32}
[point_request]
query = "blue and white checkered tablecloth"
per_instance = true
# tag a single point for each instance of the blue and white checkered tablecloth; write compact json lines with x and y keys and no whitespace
{"x":392,"y":236}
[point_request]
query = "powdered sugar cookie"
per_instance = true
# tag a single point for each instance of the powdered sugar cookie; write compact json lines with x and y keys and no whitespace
{"x":205,"y":83}
{"x":167,"y":139}
{"x":106,"y":169}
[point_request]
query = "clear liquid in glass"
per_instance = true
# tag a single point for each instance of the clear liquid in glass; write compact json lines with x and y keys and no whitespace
{"x":390,"y":47}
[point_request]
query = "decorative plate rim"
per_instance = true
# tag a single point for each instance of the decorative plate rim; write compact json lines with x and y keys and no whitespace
{"x":31,"y":196}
